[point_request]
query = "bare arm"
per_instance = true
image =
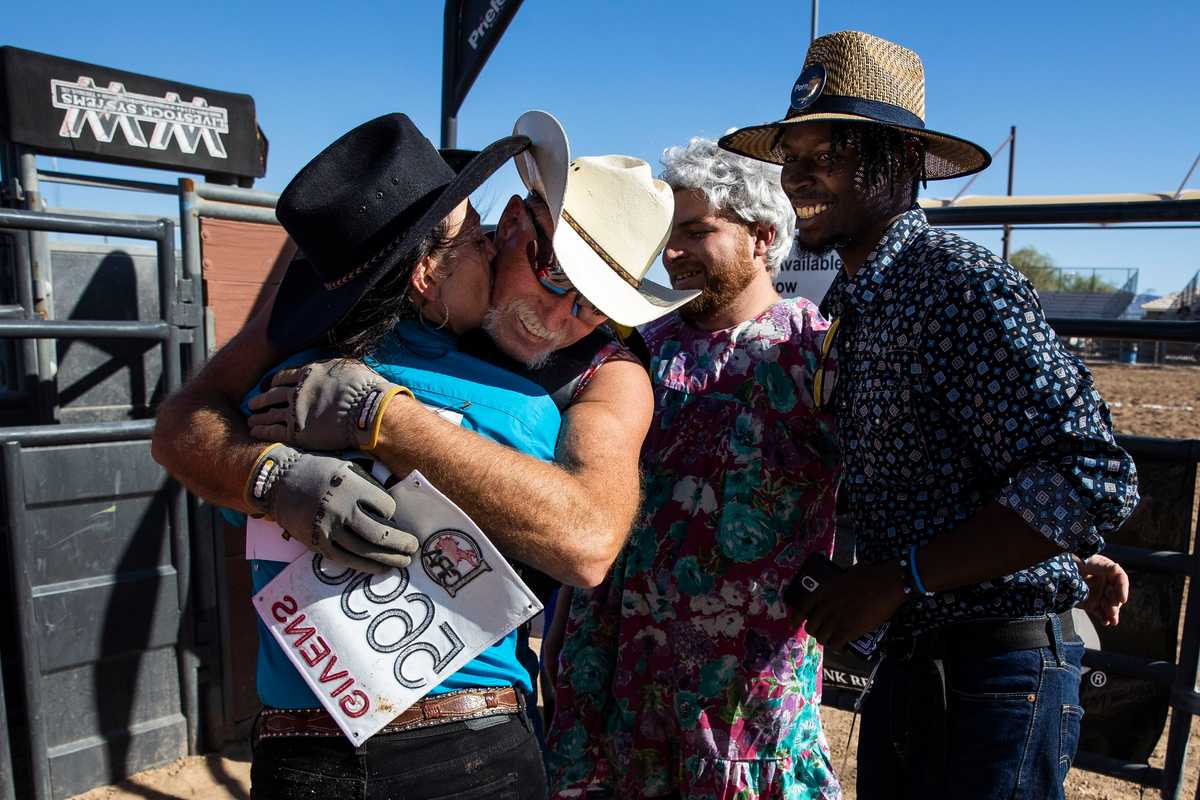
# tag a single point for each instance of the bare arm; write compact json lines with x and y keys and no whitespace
{"x":992,"y":543}
{"x":568,"y":519}
{"x":200,"y":436}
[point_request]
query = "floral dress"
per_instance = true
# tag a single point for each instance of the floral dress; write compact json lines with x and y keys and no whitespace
{"x":682,"y":675}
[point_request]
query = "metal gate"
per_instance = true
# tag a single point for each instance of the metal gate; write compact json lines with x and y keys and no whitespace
{"x":101,"y":669}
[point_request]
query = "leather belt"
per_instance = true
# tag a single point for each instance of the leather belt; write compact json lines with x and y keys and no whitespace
{"x":986,"y":637}
{"x":438,"y":709}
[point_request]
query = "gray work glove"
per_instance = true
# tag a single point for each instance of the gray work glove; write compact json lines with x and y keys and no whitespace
{"x":326,"y":405}
{"x":332,"y":506}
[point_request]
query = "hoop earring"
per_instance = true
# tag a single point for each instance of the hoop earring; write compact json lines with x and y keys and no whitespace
{"x":445,"y":314}
{"x":445,"y":318}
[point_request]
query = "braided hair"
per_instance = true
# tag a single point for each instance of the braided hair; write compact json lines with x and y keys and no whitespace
{"x":887,"y":156}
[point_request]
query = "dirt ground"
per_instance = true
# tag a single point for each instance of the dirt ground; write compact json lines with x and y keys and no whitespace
{"x":1145,"y":401}
{"x":1152,"y":401}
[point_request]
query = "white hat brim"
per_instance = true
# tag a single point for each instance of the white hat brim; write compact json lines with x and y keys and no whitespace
{"x":543,"y":167}
{"x":619,"y":300}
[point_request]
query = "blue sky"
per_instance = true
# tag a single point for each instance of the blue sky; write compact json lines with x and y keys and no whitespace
{"x":1104,"y":94}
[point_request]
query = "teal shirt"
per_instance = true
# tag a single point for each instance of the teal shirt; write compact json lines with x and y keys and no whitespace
{"x":494,"y":403}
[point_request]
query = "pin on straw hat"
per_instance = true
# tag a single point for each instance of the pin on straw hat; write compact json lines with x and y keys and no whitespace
{"x":611,"y":220}
{"x":856,"y":77}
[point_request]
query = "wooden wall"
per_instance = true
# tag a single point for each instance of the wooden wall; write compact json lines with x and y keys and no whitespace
{"x":242,"y":265}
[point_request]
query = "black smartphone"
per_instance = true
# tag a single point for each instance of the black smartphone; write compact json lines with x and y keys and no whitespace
{"x":815,"y":570}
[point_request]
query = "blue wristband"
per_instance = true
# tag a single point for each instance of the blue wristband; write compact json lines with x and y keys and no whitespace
{"x":916,"y":576}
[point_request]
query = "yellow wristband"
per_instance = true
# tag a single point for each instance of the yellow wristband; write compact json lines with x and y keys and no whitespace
{"x":260,"y":471}
{"x":380,"y":407}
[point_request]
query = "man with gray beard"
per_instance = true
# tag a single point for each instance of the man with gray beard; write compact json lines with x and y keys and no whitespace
{"x":528,"y":320}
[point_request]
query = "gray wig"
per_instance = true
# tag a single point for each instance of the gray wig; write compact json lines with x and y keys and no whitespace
{"x":747,"y":188}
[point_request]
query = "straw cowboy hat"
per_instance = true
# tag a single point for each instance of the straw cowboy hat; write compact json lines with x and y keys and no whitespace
{"x":857,"y":77}
{"x":358,"y":208}
{"x":611,"y":220}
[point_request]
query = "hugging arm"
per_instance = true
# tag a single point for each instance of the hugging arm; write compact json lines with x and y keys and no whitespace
{"x":568,"y":519}
{"x":202,"y":439}
{"x":200,"y":436}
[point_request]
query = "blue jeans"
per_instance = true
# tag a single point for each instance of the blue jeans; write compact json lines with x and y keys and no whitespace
{"x":973,"y":726}
{"x":494,"y":758}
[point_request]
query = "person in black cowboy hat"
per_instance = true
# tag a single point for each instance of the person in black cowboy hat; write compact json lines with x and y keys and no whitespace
{"x":979,"y":459}
{"x":402,"y":298}
{"x":392,"y":261}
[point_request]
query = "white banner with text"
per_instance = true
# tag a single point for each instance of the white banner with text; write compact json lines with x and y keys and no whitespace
{"x":805,"y":274}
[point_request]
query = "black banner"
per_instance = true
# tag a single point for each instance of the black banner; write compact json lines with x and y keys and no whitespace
{"x":1124,"y":715}
{"x":473,"y":29}
{"x":70,"y":108}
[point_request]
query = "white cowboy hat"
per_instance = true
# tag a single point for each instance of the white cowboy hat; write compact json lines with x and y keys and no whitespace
{"x":611,"y":220}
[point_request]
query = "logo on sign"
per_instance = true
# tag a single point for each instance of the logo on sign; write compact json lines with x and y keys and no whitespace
{"x":107,"y":110}
{"x":452,"y":559}
{"x":485,"y":22}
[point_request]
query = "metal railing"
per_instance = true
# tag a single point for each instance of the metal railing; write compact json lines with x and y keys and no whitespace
{"x":170,"y":331}
{"x":1179,"y":676}
{"x":214,"y":201}
{"x":1075,"y":212}
{"x":197,"y":200}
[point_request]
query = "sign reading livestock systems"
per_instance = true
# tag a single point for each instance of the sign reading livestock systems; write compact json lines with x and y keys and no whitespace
{"x":369,"y":647}
{"x":805,"y":274}
{"x":71,"y":108}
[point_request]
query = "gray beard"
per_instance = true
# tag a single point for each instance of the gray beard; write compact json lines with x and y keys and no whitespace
{"x":491,"y":325}
{"x":538,"y":361}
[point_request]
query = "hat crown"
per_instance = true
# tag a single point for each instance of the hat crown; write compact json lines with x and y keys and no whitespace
{"x":360,"y":192}
{"x":860,"y":65}
{"x":851,"y":77}
{"x":622,"y":207}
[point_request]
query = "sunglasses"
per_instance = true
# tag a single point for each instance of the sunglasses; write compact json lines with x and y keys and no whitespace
{"x":550,"y":274}
{"x":826,"y":377}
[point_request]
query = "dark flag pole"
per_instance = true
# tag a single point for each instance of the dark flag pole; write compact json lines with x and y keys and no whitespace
{"x":472,"y":29}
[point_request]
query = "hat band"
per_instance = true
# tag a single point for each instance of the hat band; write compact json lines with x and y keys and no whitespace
{"x":371,"y":262}
{"x":349,"y":276}
{"x":600,"y":251}
{"x":872,"y":109}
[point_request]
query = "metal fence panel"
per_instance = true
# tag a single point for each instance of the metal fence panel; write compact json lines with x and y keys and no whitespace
{"x":104,"y":378}
{"x":102,"y":611}
{"x":104,"y":718}
{"x":99,"y":551}
{"x":1126,"y":713}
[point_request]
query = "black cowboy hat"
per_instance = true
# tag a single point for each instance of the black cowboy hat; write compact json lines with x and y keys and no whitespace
{"x":358,"y":208}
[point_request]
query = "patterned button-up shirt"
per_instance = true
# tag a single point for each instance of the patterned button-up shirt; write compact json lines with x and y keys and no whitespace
{"x":953,"y":392}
